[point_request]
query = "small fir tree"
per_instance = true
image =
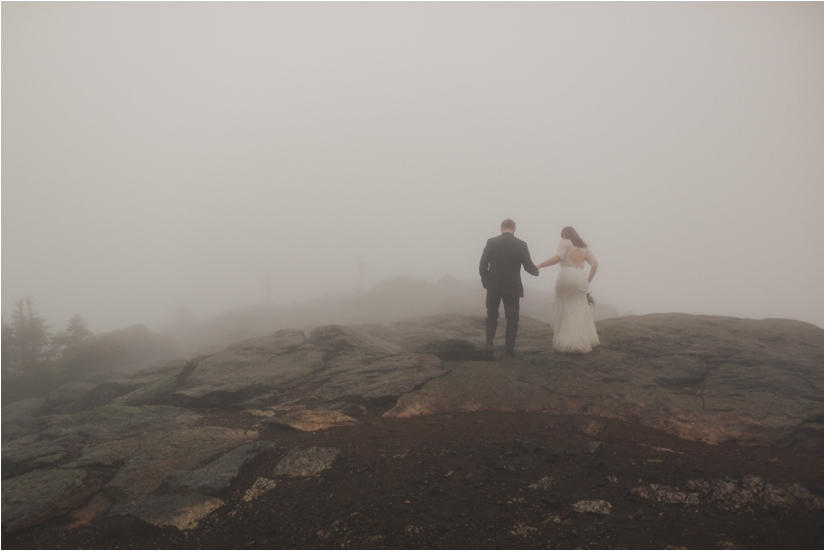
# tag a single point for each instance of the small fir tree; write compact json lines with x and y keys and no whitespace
{"x":75,"y":332}
{"x":29,"y":336}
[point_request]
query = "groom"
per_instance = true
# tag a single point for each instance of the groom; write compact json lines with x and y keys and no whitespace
{"x":500,"y":270}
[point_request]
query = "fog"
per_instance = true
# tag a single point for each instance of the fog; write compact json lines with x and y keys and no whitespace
{"x":158,"y":155}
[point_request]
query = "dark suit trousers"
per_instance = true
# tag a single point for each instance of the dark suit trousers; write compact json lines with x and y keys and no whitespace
{"x":510,"y":314}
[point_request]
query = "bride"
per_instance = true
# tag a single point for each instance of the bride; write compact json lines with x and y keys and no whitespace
{"x":573,"y":330}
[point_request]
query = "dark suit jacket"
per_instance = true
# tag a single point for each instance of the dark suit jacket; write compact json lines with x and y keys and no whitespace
{"x":501,"y":263}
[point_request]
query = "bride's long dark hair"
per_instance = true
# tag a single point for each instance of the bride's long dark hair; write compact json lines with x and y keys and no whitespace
{"x":569,"y":233}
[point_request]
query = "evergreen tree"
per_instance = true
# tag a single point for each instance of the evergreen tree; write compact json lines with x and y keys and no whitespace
{"x":7,"y":353}
{"x":29,"y":336}
{"x":75,"y":332}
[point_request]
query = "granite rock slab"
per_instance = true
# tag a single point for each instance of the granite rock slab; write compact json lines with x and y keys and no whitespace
{"x":216,"y":476}
{"x":183,"y":512}
{"x":31,"y":498}
{"x":307,"y":463}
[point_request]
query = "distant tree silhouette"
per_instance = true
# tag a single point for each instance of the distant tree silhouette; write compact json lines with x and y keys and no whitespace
{"x":8,"y":347}
{"x":26,"y":340}
{"x":75,"y":332}
{"x":34,"y":361}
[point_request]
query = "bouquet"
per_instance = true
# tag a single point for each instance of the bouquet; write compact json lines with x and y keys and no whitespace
{"x":590,"y":300}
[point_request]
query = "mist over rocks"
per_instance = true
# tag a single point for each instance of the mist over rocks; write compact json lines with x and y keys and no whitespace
{"x":388,"y":301}
{"x":127,"y":441}
{"x":82,"y":364}
{"x":326,"y":118}
{"x":335,"y":362}
{"x":121,"y":351}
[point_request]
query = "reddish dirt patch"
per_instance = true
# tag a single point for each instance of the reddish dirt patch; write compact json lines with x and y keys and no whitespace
{"x":463,"y":481}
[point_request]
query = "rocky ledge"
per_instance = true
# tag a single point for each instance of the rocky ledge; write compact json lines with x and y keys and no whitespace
{"x":138,"y":448}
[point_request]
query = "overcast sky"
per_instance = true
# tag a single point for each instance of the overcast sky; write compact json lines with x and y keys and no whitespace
{"x":165,"y":154}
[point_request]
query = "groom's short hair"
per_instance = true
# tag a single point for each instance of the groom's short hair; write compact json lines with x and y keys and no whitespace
{"x":508,"y":225}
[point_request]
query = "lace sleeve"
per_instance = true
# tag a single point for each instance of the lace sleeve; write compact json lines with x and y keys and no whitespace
{"x":590,"y":258}
{"x":564,"y":248}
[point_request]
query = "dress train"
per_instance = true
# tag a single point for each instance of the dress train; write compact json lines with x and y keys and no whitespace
{"x":574,"y":330}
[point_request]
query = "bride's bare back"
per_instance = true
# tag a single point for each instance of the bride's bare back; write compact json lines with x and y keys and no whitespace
{"x":576,"y":257}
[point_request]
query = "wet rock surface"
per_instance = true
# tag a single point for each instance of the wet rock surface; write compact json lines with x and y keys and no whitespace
{"x":307,"y":463}
{"x":701,"y":377}
{"x":179,"y":511}
{"x":594,"y":506}
{"x":436,"y":482}
{"x":163,"y":435}
{"x":34,"y":497}
{"x":217,"y":476}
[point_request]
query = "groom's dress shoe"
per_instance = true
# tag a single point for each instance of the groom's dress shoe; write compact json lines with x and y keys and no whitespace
{"x":488,"y":352}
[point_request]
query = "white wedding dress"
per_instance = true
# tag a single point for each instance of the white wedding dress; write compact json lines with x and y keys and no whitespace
{"x":573,"y":330}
